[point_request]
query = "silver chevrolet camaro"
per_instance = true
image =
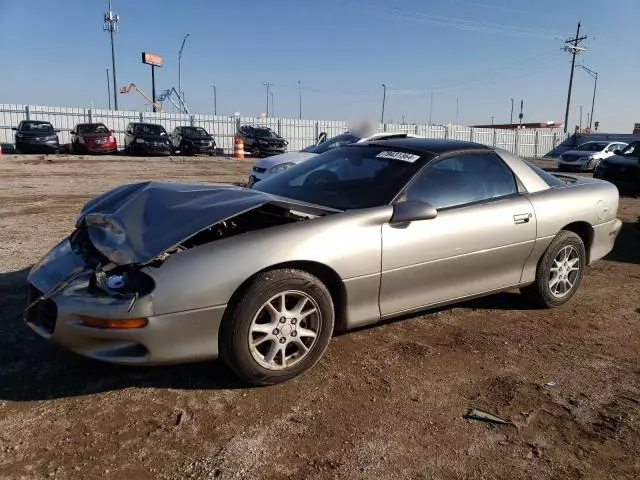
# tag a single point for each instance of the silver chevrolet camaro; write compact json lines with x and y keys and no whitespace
{"x":164,"y":272}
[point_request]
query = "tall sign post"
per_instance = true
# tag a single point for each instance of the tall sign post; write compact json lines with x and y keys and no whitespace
{"x":154,"y":60}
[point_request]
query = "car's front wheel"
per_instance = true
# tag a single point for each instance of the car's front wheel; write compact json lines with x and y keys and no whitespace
{"x":278,"y":327}
{"x":559,"y":272}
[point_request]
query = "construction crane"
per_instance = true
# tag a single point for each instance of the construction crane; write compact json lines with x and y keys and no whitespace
{"x":169,"y":94}
{"x":132,"y":86}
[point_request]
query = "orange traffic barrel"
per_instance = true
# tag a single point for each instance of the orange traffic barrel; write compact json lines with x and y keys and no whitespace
{"x":238,"y":148}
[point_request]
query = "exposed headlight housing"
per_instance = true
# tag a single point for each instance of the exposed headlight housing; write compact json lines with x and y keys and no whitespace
{"x":140,"y":140}
{"x":281,"y":167}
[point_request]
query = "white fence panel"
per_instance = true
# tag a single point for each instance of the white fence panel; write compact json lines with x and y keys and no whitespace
{"x":299,"y":133}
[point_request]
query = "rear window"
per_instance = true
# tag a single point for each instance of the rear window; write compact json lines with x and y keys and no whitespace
{"x":548,"y":178}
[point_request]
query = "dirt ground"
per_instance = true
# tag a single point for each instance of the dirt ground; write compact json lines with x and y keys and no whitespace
{"x":384,"y":402}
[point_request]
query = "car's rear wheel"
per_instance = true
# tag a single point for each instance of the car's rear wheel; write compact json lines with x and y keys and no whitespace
{"x":278,"y":328}
{"x":559,"y":272}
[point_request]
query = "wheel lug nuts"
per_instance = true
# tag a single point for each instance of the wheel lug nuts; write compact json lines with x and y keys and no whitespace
{"x":282,"y":319}
{"x":282,"y":340}
{"x":294,"y":333}
{"x":294,"y":321}
{"x":276,"y":331}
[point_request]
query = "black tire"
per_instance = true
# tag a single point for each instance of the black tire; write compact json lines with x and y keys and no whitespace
{"x":539,"y":293}
{"x":235,"y":331}
{"x":255,"y":152}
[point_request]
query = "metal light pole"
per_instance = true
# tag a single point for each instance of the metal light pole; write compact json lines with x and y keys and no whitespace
{"x":580,"y":127}
{"x":430,"y":107}
{"x":492,"y":116}
{"x":299,"y":101}
{"x":457,"y":110}
{"x":267,"y":84}
{"x":111,"y":20}
{"x":108,"y":89}
{"x":179,"y":71}
{"x":595,"y":86}
{"x":511,"y":118}
{"x":215,"y":100}
{"x":384,"y":99}
{"x":273,"y":110}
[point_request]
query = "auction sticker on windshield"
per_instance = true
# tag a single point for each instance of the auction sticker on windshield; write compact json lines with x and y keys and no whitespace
{"x":406,"y":157}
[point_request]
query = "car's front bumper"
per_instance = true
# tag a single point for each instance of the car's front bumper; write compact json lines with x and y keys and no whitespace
{"x":167,"y":338}
{"x":150,"y":149}
{"x":574,"y":166}
{"x":37,"y":147}
{"x":195,"y":148}
{"x":98,"y":148}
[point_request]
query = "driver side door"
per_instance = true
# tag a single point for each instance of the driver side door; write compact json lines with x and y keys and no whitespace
{"x":483,"y":234}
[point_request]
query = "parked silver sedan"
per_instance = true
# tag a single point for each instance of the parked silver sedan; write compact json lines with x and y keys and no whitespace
{"x":158,"y":273}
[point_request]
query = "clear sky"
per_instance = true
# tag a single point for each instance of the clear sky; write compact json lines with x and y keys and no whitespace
{"x":481,"y":52}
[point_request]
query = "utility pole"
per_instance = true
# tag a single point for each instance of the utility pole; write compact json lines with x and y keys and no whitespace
{"x":511,"y":118}
{"x":430,"y":107}
{"x":572,"y":46}
{"x":273,"y":110}
{"x":180,"y":92}
{"x":457,"y":110}
{"x":521,"y":116}
{"x":492,"y":116}
{"x":299,"y":101}
{"x":267,"y":84}
{"x":111,"y":20}
{"x":108,"y":89}
{"x":215,"y":100}
{"x":384,"y":99}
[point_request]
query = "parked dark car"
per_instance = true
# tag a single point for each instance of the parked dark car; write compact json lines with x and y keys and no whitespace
{"x":623,"y":168}
{"x":262,"y":141}
{"x":191,"y":140}
{"x":93,"y":138}
{"x":146,"y":138}
{"x":34,"y":136}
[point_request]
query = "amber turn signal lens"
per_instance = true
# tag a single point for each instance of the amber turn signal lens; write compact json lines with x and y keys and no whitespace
{"x":119,"y":323}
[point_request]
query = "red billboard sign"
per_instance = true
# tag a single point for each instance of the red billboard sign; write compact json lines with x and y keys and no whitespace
{"x":152,"y":59}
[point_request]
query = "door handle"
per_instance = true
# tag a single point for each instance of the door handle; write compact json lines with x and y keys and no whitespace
{"x":522,"y":218}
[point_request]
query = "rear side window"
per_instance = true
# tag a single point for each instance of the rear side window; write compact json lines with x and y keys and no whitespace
{"x":461,"y":180}
{"x":549,"y":179}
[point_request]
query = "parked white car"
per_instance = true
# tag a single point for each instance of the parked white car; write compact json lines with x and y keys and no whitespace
{"x":266,"y":167}
{"x":587,"y":156}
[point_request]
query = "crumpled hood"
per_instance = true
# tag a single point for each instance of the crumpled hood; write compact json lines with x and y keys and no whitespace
{"x":137,"y":222}
{"x":294,"y":157}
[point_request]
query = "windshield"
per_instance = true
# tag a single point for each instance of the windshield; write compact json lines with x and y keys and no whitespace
{"x":345,"y":178}
{"x":592,"y":147}
{"x":195,"y":131}
{"x":265,"y":132}
{"x":631,"y":150}
{"x":37,"y":127}
{"x":92,"y":128}
{"x":331,"y":143}
{"x":149,"y":129}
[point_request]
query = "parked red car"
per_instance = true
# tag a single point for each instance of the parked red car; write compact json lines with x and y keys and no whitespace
{"x":93,"y":138}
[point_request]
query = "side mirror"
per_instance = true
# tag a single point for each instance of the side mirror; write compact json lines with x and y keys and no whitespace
{"x":57,"y":130}
{"x":112,"y":131}
{"x":617,"y":151}
{"x":72,"y":132}
{"x":412,"y":211}
{"x":14,"y":128}
{"x":321,"y":138}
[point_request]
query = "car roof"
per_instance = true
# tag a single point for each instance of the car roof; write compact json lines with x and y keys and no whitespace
{"x":35,"y":121}
{"x":431,"y":145}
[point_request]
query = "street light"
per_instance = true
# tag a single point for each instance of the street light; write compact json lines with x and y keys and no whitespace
{"x":179,"y":70}
{"x":384,"y":98}
{"x":111,"y":20}
{"x":595,"y":86}
{"x":299,"y":101}
{"x":215,"y":101}
{"x":267,"y":84}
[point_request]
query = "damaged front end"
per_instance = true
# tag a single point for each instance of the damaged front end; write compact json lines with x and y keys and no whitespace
{"x":94,"y":291}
